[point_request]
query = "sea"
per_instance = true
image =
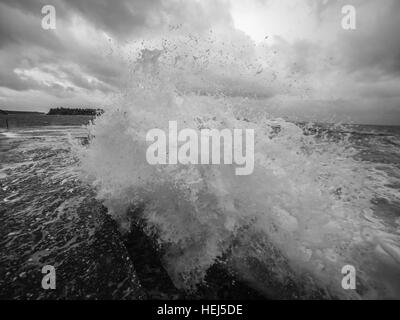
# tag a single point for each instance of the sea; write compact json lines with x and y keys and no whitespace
{"x":322,"y":197}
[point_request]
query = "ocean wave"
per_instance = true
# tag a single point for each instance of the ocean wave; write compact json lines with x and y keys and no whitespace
{"x":300,"y":217}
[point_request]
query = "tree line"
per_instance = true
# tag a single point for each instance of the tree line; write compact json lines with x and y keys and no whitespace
{"x":75,"y":111}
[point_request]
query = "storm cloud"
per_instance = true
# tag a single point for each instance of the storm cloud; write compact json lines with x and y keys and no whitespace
{"x":84,"y":60}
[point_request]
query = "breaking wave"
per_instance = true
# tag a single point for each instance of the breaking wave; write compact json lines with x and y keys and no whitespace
{"x":287,"y":229}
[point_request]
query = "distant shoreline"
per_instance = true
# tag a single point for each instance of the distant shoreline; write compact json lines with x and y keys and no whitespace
{"x":5,"y":112}
{"x":57,"y":111}
{"x":75,"y":111}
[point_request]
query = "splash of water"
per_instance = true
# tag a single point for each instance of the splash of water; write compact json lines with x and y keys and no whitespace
{"x":300,"y":215}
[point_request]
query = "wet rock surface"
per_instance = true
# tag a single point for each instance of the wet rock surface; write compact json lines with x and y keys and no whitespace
{"x":219,"y":284}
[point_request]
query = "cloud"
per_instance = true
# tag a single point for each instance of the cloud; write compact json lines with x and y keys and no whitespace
{"x":83,"y":50}
{"x":376,"y":43}
{"x":87,"y":57}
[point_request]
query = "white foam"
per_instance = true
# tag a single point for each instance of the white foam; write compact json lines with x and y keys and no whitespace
{"x":199,"y":210}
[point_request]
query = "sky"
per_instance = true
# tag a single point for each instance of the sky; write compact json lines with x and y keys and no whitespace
{"x":300,"y":62}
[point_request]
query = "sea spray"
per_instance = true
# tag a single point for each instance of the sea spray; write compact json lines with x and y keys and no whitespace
{"x":300,"y":215}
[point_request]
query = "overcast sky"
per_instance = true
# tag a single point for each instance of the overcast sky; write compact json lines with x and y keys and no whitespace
{"x":301,"y":61}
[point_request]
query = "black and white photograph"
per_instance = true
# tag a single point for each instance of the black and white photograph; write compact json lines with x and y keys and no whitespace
{"x":199,"y":150}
